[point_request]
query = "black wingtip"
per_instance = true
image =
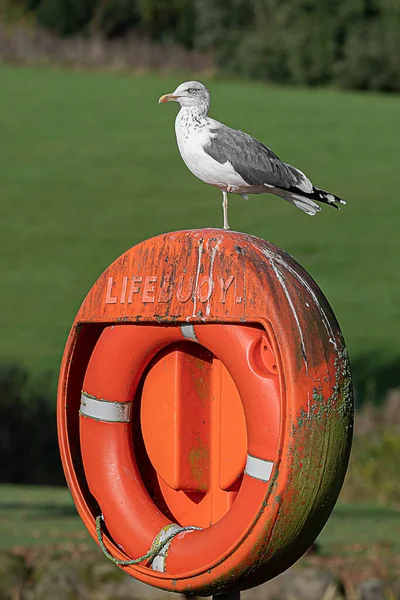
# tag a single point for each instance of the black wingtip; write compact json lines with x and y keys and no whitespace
{"x":327,"y":198}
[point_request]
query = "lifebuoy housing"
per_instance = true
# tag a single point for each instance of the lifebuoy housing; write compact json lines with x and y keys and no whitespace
{"x":112,"y":377}
{"x":280,"y":364}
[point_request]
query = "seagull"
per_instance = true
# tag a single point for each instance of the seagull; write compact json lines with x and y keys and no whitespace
{"x":234,"y":161}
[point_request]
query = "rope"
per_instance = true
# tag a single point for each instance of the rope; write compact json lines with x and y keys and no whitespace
{"x":155,"y":548}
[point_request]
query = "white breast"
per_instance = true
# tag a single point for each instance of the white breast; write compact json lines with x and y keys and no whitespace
{"x":192,"y":134}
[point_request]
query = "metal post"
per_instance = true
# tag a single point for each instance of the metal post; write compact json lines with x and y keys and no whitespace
{"x":230,"y":595}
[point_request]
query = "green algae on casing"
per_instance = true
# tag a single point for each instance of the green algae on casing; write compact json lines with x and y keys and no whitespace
{"x":201,"y":388}
{"x":199,"y":459}
{"x":346,"y":389}
{"x":317,"y":460}
{"x":340,"y":401}
{"x":321,"y":431}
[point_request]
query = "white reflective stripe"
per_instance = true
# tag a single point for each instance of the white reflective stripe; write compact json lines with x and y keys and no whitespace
{"x":158,"y":563}
{"x":189,"y":333}
{"x":258,"y":468}
{"x":103,"y":410}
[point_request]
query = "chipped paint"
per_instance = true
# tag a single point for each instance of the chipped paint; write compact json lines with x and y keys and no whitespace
{"x":200,"y":252}
{"x":307,"y":286}
{"x":295,"y":315}
{"x":214,"y":251}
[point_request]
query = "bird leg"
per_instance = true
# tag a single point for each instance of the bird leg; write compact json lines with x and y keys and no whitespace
{"x":225,"y":209}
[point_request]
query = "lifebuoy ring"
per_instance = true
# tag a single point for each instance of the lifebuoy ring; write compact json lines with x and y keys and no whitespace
{"x":132,"y":519}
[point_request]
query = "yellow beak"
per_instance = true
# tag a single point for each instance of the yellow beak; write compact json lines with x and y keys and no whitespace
{"x":167,"y":98}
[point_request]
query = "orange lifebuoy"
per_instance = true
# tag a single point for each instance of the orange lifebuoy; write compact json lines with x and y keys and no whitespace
{"x":115,"y":369}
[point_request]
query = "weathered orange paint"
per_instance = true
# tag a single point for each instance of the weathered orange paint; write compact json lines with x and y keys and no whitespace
{"x":226,"y":284}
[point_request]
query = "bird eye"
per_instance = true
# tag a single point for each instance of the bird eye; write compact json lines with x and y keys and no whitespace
{"x":192,"y":90}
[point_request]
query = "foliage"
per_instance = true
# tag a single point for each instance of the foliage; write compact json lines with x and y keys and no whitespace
{"x":28,"y":438}
{"x":171,"y":21}
{"x":14,"y":12}
{"x":374,"y":468}
{"x":65,"y":17}
{"x":116,"y":18}
{"x":312,"y":42}
{"x":355,"y":44}
{"x":371,"y":56}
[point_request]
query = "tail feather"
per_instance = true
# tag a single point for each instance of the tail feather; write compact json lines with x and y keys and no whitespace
{"x":305,"y":200}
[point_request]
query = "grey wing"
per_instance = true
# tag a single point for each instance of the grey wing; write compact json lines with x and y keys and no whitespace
{"x":254,"y":162}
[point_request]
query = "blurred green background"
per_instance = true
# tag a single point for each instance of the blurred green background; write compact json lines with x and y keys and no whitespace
{"x":89,"y":167}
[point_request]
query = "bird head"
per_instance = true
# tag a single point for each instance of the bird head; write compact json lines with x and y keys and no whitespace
{"x":190,"y":93}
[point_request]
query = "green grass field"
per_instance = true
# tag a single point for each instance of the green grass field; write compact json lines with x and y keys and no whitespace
{"x":38,"y":516}
{"x":45,"y":518}
{"x":89,"y":167}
